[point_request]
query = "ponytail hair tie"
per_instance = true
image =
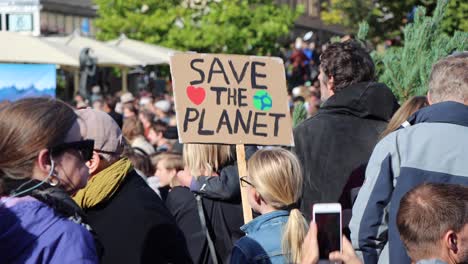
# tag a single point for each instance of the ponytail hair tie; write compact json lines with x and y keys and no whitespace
{"x":290,"y":207}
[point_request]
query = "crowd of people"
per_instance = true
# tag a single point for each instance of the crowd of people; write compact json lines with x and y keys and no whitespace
{"x":106,"y":180}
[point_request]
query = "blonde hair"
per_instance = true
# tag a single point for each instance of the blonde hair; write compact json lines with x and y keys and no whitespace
{"x":205,"y":158}
{"x":277,"y":177}
{"x":406,"y":110}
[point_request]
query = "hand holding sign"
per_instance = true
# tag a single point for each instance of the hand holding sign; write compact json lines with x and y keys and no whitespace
{"x":231,"y":99}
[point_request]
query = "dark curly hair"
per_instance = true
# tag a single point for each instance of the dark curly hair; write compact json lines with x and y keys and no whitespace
{"x":348,"y":62}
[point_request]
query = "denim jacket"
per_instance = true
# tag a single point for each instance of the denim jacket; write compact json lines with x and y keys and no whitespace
{"x":262,"y":243}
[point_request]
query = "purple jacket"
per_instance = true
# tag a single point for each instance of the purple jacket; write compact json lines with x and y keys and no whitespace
{"x":32,"y":232}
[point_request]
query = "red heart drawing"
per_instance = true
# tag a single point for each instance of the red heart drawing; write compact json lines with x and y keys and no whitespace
{"x":196,"y":94}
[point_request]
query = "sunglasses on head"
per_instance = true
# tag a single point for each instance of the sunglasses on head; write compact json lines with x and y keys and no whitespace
{"x":84,"y":147}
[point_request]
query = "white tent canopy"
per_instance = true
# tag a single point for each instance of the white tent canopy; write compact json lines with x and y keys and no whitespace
{"x":106,"y":55}
{"x":19,"y":48}
{"x":150,"y":54}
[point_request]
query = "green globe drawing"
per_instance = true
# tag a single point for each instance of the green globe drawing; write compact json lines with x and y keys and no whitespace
{"x":262,"y":100}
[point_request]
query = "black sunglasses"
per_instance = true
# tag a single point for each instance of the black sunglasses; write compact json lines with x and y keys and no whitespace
{"x":85,"y":147}
{"x":245,"y":182}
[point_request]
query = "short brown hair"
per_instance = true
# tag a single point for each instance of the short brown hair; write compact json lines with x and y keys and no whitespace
{"x":427,"y":212}
{"x":132,"y":128}
{"x":348,"y":62}
{"x":140,"y":161}
{"x":448,"y":80}
{"x":172,"y":161}
{"x":26,"y":127}
{"x":159,"y":126}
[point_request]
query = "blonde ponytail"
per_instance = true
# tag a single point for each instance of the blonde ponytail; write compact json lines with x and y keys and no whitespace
{"x":277,"y":177}
{"x":293,"y":236}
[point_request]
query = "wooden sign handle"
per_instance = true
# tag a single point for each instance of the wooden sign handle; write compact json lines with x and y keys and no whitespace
{"x":242,"y":168}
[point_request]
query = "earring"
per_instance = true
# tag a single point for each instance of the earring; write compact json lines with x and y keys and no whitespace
{"x":54,"y":180}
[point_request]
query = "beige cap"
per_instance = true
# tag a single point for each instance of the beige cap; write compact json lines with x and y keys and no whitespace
{"x":101,"y":127}
{"x":127,"y":98}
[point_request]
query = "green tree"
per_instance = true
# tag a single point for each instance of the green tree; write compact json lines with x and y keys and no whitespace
{"x":388,"y":16}
{"x":299,"y":114}
{"x":406,"y":69}
{"x":456,"y":17}
{"x":385,"y":16}
{"x":234,"y":26}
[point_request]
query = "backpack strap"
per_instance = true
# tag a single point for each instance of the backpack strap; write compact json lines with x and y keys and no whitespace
{"x":201,"y":214}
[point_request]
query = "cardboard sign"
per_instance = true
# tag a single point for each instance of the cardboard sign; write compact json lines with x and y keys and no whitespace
{"x":231,"y":99}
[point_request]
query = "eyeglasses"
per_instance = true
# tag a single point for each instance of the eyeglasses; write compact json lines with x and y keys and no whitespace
{"x":85,"y":147}
{"x":245,"y":182}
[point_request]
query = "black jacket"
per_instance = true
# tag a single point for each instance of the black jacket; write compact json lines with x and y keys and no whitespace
{"x":134,"y":226}
{"x":225,"y":186}
{"x":222,"y":205}
{"x":183,"y":206}
{"x":340,"y":138}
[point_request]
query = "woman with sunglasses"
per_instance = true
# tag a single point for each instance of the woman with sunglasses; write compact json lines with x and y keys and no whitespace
{"x":42,"y":162}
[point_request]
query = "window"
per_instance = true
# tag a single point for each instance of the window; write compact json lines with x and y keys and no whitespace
{"x":19,"y":22}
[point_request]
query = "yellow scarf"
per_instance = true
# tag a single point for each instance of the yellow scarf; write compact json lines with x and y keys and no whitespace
{"x":103,"y":185}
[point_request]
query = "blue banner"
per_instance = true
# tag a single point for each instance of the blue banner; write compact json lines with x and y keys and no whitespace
{"x":27,"y":80}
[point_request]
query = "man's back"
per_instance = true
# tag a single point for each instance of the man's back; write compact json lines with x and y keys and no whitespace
{"x":340,"y":138}
{"x":434,"y":149}
{"x":134,"y":226}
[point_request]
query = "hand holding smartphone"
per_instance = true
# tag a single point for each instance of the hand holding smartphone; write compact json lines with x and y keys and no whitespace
{"x":328,"y":217}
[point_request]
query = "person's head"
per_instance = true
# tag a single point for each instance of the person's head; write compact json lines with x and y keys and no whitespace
{"x":448,"y":80}
{"x":98,"y":105}
{"x":127,"y":98}
{"x":167,"y":167}
{"x":79,"y":98}
{"x":140,"y":161}
{"x":132,"y":128}
{"x":40,"y":139}
{"x":109,"y":104}
{"x":109,"y":143}
{"x":156,"y":133}
{"x":163,"y":107}
{"x":404,"y":112}
{"x":146,"y":118}
{"x":344,"y":64}
{"x":129,"y":110}
{"x":275,"y":182}
{"x":203,"y":159}
{"x":433,"y":222}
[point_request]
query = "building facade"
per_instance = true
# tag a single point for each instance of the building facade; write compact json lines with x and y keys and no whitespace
{"x":310,"y":20}
{"x":46,"y":17}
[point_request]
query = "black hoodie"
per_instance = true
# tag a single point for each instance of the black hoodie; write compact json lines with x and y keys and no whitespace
{"x":340,"y":138}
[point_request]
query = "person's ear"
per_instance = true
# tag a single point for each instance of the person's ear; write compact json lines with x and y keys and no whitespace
{"x":173,"y":173}
{"x":429,"y":99}
{"x":256,"y":197}
{"x":451,"y":242}
{"x":44,"y":161}
{"x":93,"y":163}
{"x":331,"y":85}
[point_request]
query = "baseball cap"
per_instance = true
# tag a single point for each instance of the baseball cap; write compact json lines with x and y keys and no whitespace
{"x":101,"y":127}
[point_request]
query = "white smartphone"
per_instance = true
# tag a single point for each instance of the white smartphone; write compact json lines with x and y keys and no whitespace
{"x":327,"y":216}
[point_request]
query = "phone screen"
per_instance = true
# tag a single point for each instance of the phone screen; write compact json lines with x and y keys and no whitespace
{"x":329,"y":233}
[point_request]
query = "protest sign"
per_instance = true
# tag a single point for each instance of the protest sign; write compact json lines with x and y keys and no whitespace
{"x":231,"y":99}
